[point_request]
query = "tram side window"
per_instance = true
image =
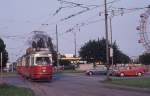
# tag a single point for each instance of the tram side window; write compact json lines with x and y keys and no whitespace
{"x":27,"y":61}
{"x":43,"y":60}
{"x":23,"y":62}
{"x":32,"y":61}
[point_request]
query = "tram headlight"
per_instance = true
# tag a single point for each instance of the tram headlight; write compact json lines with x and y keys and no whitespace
{"x":43,"y":70}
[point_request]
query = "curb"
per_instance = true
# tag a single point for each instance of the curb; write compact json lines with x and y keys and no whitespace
{"x":126,"y":88}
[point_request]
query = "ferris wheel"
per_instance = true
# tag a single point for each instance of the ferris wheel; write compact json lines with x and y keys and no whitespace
{"x":144,"y":30}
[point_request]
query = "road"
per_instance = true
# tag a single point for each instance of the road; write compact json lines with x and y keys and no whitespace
{"x":73,"y":85}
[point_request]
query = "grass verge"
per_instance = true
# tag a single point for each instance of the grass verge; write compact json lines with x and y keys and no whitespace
{"x":10,"y":90}
{"x":135,"y":82}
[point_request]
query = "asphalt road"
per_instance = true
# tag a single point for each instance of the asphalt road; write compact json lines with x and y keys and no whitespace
{"x":73,"y":85}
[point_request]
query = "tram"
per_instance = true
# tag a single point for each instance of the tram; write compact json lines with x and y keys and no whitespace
{"x":36,"y":64}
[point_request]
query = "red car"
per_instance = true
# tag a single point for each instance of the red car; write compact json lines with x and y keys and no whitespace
{"x":129,"y":71}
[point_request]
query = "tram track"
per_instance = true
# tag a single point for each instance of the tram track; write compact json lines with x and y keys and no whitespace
{"x":38,"y":89}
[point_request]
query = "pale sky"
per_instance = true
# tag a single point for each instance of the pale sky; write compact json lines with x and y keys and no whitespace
{"x":20,"y":17}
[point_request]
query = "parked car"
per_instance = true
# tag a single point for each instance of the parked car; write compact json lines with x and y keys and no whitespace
{"x":97,"y":70}
{"x":143,"y":68}
{"x":7,"y":69}
{"x":129,"y":71}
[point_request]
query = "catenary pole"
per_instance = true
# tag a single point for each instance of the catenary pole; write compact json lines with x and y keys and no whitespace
{"x":75,"y":42}
{"x":75,"y":46}
{"x":111,"y":51}
{"x":57,"y":46}
{"x":1,"y":66}
{"x":107,"y":42}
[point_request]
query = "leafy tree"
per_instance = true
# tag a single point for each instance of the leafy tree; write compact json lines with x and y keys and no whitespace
{"x":96,"y":51}
{"x":145,"y":58}
{"x":40,"y":43}
{"x":4,"y":53}
{"x":41,"y":40}
{"x":51,"y":47}
{"x":34,"y":44}
{"x":119,"y":56}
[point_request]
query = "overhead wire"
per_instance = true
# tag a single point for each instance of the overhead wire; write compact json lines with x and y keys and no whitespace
{"x":83,"y":11}
{"x":77,"y":4}
{"x":86,"y":9}
{"x":119,"y":10}
{"x":115,"y":10}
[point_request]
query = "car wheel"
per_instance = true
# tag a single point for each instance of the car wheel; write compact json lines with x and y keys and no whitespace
{"x":121,"y":74}
{"x":139,"y":74}
{"x":90,"y":73}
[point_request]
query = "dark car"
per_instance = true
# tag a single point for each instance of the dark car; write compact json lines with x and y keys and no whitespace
{"x":97,"y":71}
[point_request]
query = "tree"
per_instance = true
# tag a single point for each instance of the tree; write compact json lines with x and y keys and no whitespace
{"x":34,"y":44}
{"x":50,"y":45}
{"x":40,"y":43}
{"x":119,"y":56}
{"x":41,"y":40}
{"x":145,"y":58}
{"x":4,"y":53}
{"x":96,"y":51}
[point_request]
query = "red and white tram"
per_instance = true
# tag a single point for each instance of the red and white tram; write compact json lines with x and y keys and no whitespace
{"x":36,"y":65}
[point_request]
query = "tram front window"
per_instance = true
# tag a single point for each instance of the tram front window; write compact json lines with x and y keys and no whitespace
{"x":42,"y":60}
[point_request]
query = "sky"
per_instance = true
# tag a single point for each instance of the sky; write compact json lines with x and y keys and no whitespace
{"x":20,"y":17}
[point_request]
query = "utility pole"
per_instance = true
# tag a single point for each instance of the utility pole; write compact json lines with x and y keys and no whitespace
{"x":57,"y":47}
{"x":1,"y":66}
{"x":12,"y":67}
{"x":111,"y":49}
{"x":75,"y":42}
{"x":75,"y":45}
{"x":107,"y":41}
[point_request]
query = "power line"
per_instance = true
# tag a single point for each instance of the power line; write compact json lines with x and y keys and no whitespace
{"x":76,"y":4}
{"x":72,"y":5}
{"x":86,"y":8}
{"x":70,"y":30}
{"x":112,"y":12}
